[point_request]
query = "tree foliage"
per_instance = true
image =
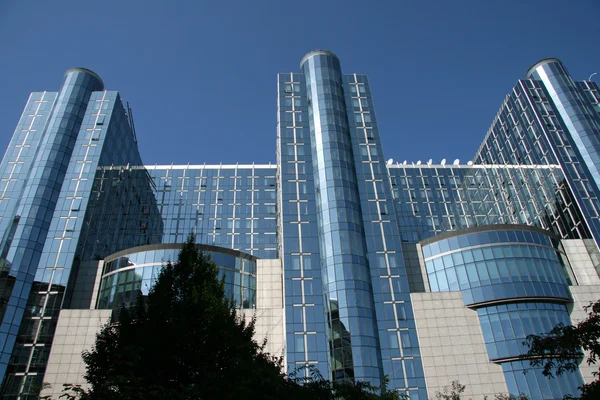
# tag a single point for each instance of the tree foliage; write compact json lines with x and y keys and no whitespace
{"x":456,"y":389}
{"x":452,"y":392}
{"x":511,"y":397}
{"x":187,"y":340}
{"x":560,"y":350}
{"x":314,"y":386}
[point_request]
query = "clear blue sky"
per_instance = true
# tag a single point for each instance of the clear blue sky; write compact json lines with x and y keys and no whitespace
{"x":201,"y":76}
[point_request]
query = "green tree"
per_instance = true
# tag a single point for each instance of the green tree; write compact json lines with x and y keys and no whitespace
{"x":186,"y":340}
{"x":511,"y":397}
{"x":560,"y":350}
{"x":314,"y":386}
{"x":456,"y":390}
{"x":453,"y":392}
{"x":359,"y":390}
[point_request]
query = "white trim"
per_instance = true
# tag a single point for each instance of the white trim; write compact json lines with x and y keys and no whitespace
{"x":214,"y":166}
{"x":475,"y":166}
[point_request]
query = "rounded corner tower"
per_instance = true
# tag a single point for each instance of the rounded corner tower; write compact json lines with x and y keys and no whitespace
{"x":578,"y":115}
{"x":347,"y":285}
{"x":94,"y":82}
{"x":317,"y":52}
{"x":542,"y":62}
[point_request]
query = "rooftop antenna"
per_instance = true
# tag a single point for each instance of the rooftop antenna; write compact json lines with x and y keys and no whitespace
{"x":470,"y":163}
{"x":590,"y":78}
{"x":429,"y":162}
{"x":390,"y":161}
{"x":456,"y":162}
{"x":443,"y":161}
{"x":404,"y":163}
{"x":419,"y":162}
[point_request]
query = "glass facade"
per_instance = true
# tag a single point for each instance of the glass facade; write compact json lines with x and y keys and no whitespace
{"x":579,"y":117}
{"x":62,"y":148}
{"x":230,"y":206}
{"x":49,"y":139}
{"x":127,"y":276}
{"x":348,"y":308}
{"x":432,"y":199}
{"x":121,"y":213}
{"x":344,"y":264}
{"x":306,"y":329}
{"x":521,"y":378}
{"x":355,"y":234}
{"x":497,"y":265}
{"x":550,"y":119}
{"x":515,"y":277}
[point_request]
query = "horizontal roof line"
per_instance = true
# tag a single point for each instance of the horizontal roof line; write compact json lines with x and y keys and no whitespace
{"x":213,"y":166}
{"x":551,"y":166}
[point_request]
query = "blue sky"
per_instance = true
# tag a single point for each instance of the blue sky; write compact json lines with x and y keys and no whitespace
{"x":201,"y":76}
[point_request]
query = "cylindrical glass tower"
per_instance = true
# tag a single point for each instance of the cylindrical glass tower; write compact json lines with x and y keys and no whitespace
{"x":49,"y":167}
{"x":38,"y":199}
{"x":353,"y":338}
{"x":131,"y":273}
{"x":515,"y":278}
{"x":579,"y":117}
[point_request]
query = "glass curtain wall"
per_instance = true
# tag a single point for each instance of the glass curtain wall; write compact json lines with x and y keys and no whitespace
{"x":514,"y":276}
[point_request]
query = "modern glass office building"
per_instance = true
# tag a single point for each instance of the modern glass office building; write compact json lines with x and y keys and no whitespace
{"x":514,"y":277}
{"x":362,"y":268}
{"x":550,"y":119}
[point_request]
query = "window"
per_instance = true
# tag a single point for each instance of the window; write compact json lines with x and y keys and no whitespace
{"x":405,"y":338}
{"x":76,"y":205}
{"x":306,"y":261}
{"x":70,"y":225}
{"x":295,"y":262}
